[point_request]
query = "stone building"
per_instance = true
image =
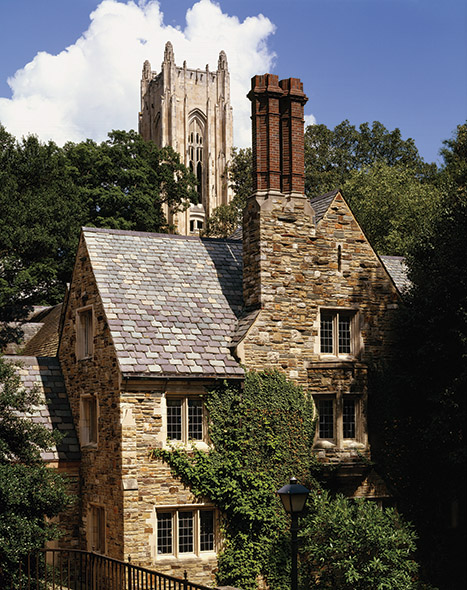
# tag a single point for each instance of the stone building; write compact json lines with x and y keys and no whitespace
{"x":190,"y":111}
{"x":152,"y":321}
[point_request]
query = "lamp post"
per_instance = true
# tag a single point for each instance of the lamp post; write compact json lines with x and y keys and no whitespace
{"x":293,"y":497}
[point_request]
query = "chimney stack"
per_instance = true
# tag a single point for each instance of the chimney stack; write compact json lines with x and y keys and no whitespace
{"x":278,"y":217}
{"x":278,"y":135}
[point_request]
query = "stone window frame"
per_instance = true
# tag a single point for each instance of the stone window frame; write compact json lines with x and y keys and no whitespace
{"x":89,"y":433}
{"x":355,"y":332}
{"x":96,"y":528}
{"x":338,"y":440}
{"x":85,"y":332}
{"x":203,"y":442}
{"x":175,"y":512}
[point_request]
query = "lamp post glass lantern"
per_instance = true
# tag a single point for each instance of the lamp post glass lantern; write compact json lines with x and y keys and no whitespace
{"x":293,"y":497}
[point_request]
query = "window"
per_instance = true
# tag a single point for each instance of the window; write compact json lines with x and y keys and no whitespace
{"x":185,"y":419}
{"x":84,"y":333}
{"x":96,"y":529}
{"x":88,"y":420}
{"x":348,"y":418}
{"x":337,"y":332}
{"x":195,"y":152}
{"x":339,"y":418}
{"x":185,"y":531}
{"x":326,"y":418}
{"x":196,"y":225}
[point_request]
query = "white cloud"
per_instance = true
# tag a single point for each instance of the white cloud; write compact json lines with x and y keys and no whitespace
{"x":309,"y":120}
{"x":92,"y":86}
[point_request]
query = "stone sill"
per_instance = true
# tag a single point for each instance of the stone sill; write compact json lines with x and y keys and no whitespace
{"x":334,"y":363}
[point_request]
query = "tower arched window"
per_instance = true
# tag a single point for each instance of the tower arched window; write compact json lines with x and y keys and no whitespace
{"x":196,"y":153}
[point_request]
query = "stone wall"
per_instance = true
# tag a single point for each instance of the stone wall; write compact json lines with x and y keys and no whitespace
{"x":149,"y":484}
{"x":101,"y":466}
{"x":303,"y":268}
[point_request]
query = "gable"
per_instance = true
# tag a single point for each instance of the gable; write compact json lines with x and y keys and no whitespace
{"x":325,"y":206}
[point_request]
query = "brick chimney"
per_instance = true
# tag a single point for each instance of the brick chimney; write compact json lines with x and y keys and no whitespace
{"x":278,"y":206}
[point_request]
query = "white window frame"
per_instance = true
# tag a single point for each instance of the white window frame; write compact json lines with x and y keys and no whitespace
{"x":354,"y":340}
{"x":175,"y":512}
{"x":96,"y":529}
{"x":185,"y":425}
{"x":89,"y":420}
{"x":85,"y":333}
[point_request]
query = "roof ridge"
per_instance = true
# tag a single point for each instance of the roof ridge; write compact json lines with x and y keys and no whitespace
{"x":129,"y":232}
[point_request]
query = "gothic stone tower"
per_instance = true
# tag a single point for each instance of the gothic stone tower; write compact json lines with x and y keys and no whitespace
{"x":190,"y":111}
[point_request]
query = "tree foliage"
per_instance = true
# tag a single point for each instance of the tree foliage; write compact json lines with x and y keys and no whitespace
{"x":225,"y":219}
{"x":30,"y":493}
{"x":124,"y":182}
{"x":356,"y":546}
{"x":261,"y":434}
{"x":422,"y":403}
{"x":392,"y":205}
{"x":331,"y":155}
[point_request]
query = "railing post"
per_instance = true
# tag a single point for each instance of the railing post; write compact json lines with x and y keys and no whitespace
{"x":130,"y":585}
{"x":185,"y":580}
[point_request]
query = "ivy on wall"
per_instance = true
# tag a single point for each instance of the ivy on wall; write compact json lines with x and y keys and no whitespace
{"x":261,"y":434}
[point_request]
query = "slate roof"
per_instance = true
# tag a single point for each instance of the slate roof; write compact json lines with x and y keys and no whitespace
{"x":171,"y":302}
{"x":397,"y":269}
{"x":45,"y":341}
{"x":54,"y":411}
{"x":321,"y":204}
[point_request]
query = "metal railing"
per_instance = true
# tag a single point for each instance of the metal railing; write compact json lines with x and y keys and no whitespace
{"x":72,"y":569}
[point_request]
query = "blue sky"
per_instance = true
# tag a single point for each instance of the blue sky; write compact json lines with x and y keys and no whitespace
{"x":401,"y":62}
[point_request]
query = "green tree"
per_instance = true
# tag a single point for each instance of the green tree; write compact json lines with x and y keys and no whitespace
{"x":392,"y":205}
{"x":225,"y":219}
{"x":40,"y":220}
{"x":331,"y":155}
{"x":30,"y":493}
{"x":355,"y":546}
{"x":124,"y":182}
{"x":421,"y":404}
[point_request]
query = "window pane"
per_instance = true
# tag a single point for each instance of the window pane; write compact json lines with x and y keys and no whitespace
{"x":164,"y":532}
{"x":326,"y":333}
{"x":195,"y":419}
{"x":206,"y":518}
{"x":349,"y":418}
{"x":344,"y":334}
{"x":326,"y":418}
{"x":185,"y":532}
{"x":174,"y":419}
